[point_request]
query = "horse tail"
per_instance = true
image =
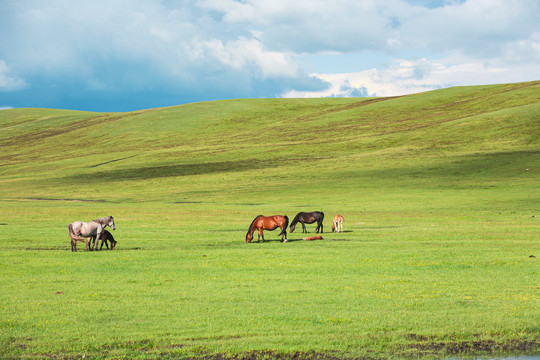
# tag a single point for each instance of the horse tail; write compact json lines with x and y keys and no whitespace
{"x":71,"y":232}
{"x":249,"y":228}
{"x":284,"y":231}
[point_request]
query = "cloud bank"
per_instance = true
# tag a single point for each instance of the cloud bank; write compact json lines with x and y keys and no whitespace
{"x":126,"y":55}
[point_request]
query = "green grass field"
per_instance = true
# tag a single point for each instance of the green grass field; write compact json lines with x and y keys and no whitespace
{"x":440,"y":193}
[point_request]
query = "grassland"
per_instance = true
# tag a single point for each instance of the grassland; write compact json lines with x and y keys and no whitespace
{"x":440,"y":194}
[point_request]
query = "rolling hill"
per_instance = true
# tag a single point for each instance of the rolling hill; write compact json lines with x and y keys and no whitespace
{"x":458,"y":133}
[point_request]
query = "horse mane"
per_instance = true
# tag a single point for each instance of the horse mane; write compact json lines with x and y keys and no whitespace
{"x":249,"y":229}
{"x":103,"y":221}
{"x":295,"y":220}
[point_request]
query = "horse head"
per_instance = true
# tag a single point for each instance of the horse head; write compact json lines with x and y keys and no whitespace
{"x":251,"y":229}
{"x":291,"y":229}
{"x":111,"y":223}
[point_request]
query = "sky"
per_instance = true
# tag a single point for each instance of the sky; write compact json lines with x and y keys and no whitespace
{"x":123,"y":55}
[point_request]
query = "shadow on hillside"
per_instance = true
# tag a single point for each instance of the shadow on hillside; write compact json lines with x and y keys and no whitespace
{"x":472,"y":166}
{"x":492,"y":165}
{"x":150,"y":172}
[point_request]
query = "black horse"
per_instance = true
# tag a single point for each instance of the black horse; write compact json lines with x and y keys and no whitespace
{"x":308,"y":218}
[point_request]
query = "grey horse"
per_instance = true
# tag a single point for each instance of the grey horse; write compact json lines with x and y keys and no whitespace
{"x":85,"y":231}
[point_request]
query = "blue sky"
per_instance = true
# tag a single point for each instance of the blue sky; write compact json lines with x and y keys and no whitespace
{"x":121,"y":55}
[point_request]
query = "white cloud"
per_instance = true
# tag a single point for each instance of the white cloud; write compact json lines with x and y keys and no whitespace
{"x":408,"y":77}
{"x":9,"y":82}
{"x":310,"y":25}
{"x":474,"y":27}
{"x":313,"y":26}
{"x":256,"y":47}
{"x":101,"y":43}
{"x":244,"y":53}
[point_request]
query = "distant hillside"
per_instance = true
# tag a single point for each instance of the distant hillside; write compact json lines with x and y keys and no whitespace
{"x":491,"y":131}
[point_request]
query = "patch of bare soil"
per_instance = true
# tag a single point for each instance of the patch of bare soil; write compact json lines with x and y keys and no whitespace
{"x":268,"y":354}
{"x":47,"y":248}
{"x":424,"y":347}
{"x":75,"y":200}
{"x":452,"y":348}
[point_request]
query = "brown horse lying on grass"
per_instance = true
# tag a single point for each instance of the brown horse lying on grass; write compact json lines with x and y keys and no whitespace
{"x":317,"y":237}
{"x":268,"y":223}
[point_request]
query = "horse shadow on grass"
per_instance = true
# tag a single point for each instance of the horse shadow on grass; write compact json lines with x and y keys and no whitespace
{"x":273,"y":241}
{"x":66,"y":248}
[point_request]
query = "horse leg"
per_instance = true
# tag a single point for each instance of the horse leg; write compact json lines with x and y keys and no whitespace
{"x":304,"y":230}
{"x":74,"y":242}
{"x":261,"y":234}
{"x":321,"y":226}
{"x":98,"y":236}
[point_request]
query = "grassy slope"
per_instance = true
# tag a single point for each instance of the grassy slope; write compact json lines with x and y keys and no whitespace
{"x":438,"y":191}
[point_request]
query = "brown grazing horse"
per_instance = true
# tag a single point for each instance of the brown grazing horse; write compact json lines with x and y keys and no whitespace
{"x":337,"y":223}
{"x":308,"y":218}
{"x":268,"y":223}
{"x":86,"y":231}
{"x":105,"y":238}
